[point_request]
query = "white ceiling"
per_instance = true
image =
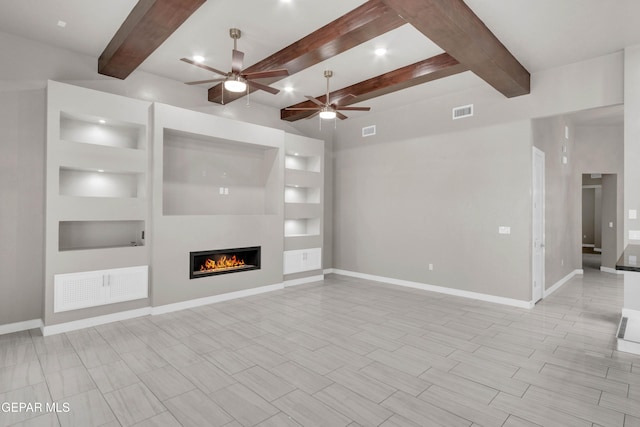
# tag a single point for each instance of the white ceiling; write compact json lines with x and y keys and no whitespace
{"x":541,"y":34}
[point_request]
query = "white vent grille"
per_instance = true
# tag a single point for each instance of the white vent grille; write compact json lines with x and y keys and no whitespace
{"x":368,"y":131}
{"x":462,"y":112}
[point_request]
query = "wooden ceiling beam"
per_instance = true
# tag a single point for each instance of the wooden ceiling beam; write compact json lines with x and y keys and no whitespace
{"x":148,"y":25}
{"x":370,"y":20}
{"x":453,"y":26}
{"x":434,"y":68}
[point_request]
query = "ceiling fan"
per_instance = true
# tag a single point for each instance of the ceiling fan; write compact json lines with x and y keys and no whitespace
{"x":327,"y":110}
{"x":236,"y":80}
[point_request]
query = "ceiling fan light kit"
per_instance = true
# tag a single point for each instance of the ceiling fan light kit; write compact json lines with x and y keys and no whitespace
{"x":235,"y":84}
{"x":326,"y":110}
{"x":237,"y":80}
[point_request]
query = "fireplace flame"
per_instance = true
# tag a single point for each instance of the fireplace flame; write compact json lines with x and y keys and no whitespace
{"x":223,"y":262}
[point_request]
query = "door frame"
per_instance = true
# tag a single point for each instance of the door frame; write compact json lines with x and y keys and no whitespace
{"x":540,"y":156}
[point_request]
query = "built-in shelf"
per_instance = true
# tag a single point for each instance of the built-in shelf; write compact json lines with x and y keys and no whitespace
{"x":298,"y":194}
{"x":83,"y":235}
{"x":303,"y":163}
{"x":301,"y":227}
{"x":101,"y":131}
{"x":101,"y":183}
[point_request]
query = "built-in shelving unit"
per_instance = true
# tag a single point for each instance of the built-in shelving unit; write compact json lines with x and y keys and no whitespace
{"x":97,"y":182}
{"x":304,"y":201}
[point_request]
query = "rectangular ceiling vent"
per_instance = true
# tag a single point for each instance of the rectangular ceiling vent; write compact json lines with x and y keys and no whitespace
{"x":462,"y":112}
{"x":368,"y":131}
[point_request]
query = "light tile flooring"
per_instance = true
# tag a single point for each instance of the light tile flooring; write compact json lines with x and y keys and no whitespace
{"x":345,"y":352}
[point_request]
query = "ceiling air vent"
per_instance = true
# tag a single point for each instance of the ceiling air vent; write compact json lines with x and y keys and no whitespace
{"x":462,"y":112}
{"x":368,"y":131}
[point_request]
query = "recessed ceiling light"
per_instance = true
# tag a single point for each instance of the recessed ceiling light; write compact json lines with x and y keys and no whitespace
{"x":288,"y":89}
{"x":100,"y":170}
{"x":62,"y":24}
{"x":380,"y":51}
{"x":285,"y":1}
{"x":296,"y":154}
{"x":102,"y":121}
{"x":198,"y":58}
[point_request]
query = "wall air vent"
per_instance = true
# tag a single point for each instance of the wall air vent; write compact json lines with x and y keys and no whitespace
{"x":368,"y":131}
{"x":462,"y":112}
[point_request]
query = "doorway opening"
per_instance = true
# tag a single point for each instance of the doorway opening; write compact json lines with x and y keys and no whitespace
{"x":599,"y":221}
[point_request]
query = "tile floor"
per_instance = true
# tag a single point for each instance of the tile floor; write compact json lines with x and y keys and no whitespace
{"x":345,"y":352}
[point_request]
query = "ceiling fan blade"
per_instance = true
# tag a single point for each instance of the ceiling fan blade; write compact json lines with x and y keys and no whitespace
{"x":313,"y":115}
{"x":353,"y":108}
{"x":314,"y":100}
{"x":197,"y":82}
{"x":265,"y":74}
{"x":205,"y":67}
{"x":236,"y":61}
{"x":302,"y":109}
{"x":340,"y":115}
{"x":260,"y":86}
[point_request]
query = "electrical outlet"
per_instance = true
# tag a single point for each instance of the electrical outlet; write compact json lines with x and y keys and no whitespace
{"x":562,"y":262}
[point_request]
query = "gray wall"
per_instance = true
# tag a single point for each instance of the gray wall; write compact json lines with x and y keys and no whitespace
{"x":22,"y":125}
{"x":610,"y":213}
{"x":403,"y":204}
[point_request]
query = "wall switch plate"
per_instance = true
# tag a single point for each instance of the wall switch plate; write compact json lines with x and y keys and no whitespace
{"x":430,"y":267}
{"x":634,"y":234}
{"x":564,"y":160}
{"x":633,"y":214}
{"x":221,"y":190}
{"x":611,"y":225}
{"x":504,"y":230}
{"x":566,"y":132}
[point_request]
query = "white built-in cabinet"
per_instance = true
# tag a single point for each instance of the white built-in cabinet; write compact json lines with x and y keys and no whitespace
{"x":96,"y":198}
{"x":304,"y":204}
{"x":73,"y":291}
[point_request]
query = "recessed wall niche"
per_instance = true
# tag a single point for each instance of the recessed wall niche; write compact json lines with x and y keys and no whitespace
{"x":101,"y":131}
{"x":205,"y":175}
{"x":100,"y":183}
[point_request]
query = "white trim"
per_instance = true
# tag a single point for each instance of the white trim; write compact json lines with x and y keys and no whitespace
{"x":439,"y":289}
{"x":611,"y":270}
{"x":559,"y":283}
{"x":631,"y":314}
{"x":168,"y":308}
{"x":10,"y":328}
{"x":597,"y":249}
{"x":588,"y":245}
{"x":591,"y":186}
{"x":537,"y":151}
{"x":328,"y":271}
{"x":94,"y":321}
{"x":304,"y":280}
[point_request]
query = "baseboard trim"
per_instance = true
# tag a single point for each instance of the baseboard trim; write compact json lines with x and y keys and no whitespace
{"x":304,"y":280}
{"x":559,"y":283}
{"x":145,"y":311}
{"x":631,"y":314}
{"x":329,"y":271}
{"x":611,"y":270}
{"x":94,"y":321}
{"x":10,"y":328}
{"x":169,"y":308}
{"x":439,"y":289}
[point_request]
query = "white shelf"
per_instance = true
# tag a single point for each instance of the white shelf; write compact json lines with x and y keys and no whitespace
{"x":101,"y":183}
{"x":83,"y":235}
{"x":90,"y":130}
{"x":302,"y":227}
{"x":298,"y":194}
{"x":303,"y":163}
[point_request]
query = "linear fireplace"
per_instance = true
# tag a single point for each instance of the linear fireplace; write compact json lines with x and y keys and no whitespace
{"x":223,"y":261}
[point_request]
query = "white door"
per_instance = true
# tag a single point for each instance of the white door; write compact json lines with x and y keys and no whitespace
{"x":538,"y":225}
